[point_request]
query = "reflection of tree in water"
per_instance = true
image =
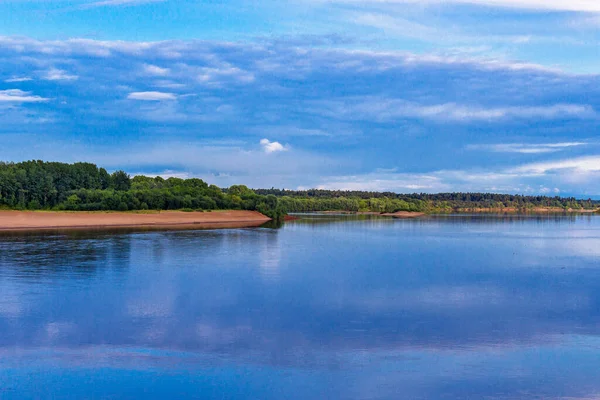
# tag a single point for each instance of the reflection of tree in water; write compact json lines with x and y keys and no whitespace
{"x":273,"y":224}
{"x":76,"y":253}
{"x":459,"y":219}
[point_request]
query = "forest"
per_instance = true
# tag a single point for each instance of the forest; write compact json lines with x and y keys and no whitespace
{"x":38,"y":185}
{"x":337,"y":200}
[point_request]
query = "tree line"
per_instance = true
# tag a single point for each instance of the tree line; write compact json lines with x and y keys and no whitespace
{"x":338,"y":200}
{"x":38,"y":185}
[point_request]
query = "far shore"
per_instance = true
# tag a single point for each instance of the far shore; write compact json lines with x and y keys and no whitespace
{"x":398,"y":214}
{"x":538,"y":210}
{"x":54,"y":220}
{"x":506,"y":210}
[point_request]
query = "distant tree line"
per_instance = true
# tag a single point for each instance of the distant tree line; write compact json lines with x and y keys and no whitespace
{"x":338,"y":200}
{"x":38,"y":185}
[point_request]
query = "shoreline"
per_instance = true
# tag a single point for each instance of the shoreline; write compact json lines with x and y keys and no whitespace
{"x":18,"y":221}
{"x":464,"y":211}
{"x":536,"y":210}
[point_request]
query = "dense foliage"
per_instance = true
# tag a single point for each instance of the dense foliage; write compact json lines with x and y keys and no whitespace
{"x":330,"y":200}
{"x":36,"y":185}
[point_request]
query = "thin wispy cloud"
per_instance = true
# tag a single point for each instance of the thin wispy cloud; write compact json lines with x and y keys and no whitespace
{"x":19,"y":96}
{"x":385,"y":109}
{"x":55,"y":74}
{"x":151,"y":96}
{"x":524,"y":148}
{"x":555,"y":5}
{"x":284,"y":130}
{"x":18,"y":79}
{"x":578,"y":165}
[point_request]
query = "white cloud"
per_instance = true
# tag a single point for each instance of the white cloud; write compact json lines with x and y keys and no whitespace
{"x":55,"y":74}
{"x":547,"y":190}
{"x":272,"y":147}
{"x":577,"y":165}
{"x":17,"y":79}
{"x":524,"y":148}
{"x":226,"y":72}
{"x":150,"y":69}
{"x":151,"y":96}
{"x":19,"y":96}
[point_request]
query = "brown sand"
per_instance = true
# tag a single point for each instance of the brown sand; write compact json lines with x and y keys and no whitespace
{"x":38,"y":220}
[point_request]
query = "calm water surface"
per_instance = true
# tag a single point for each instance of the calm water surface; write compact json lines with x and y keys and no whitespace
{"x":325,"y":307}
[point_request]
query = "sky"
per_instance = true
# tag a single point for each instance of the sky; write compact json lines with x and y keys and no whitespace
{"x":399,"y":95}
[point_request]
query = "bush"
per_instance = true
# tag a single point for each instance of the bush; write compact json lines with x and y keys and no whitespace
{"x":34,"y":205}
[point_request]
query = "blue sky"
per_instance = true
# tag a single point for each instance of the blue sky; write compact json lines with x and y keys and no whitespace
{"x":401,"y":95}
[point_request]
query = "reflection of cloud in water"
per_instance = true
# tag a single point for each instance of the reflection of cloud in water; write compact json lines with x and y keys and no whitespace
{"x":510,"y":374}
{"x":150,"y":307}
{"x":216,"y":280}
{"x":428,"y":307}
{"x":589,"y":247}
{"x":444,"y":300}
{"x":11,"y":299}
{"x":270,"y":256}
{"x":213,"y":336}
{"x":568,"y":250}
{"x":56,"y":330}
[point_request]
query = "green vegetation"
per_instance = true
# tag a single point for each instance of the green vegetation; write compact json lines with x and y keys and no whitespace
{"x":37,"y":185}
{"x":336,"y":200}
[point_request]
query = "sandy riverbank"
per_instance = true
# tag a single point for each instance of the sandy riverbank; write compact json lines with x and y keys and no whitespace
{"x":39,"y":220}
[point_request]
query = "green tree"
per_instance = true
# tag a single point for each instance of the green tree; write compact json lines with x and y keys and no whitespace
{"x":120,"y":181}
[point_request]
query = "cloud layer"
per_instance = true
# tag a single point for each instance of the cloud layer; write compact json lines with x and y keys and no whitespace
{"x":280,"y":113}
